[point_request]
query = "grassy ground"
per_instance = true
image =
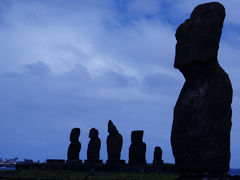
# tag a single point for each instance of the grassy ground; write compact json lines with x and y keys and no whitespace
{"x":62,"y":174}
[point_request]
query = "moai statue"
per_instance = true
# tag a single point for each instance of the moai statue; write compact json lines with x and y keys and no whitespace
{"x":201,"y":127}
{"x":157,"y":159}
{"x":114,"y":144}
{"x":94,"y":145}
{"x":137,"y":149}
{"x":75,"y":146}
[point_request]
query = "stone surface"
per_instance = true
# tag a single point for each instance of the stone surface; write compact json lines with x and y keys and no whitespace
{"x":75,"y":146}
{"x":157,"y":159}
{"x":137,"y":149}
{"x":94,"y":145}
{"x":114,"y":143}
{"x":201,"y":127}
{"x":115,"y":162}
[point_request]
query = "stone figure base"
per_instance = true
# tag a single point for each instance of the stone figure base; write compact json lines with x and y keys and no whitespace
{"x":115,"y":162}
{"x":73,"y":165}
{"x":93,"y":162}
{"x":74,"y":162}
{"x":142,"y":162}
{"x":55,"y":161}
{"x":158,"y":163}
{"x":137,"y":167}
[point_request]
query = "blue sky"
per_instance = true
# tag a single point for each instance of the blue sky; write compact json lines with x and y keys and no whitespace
{"x":76,"y":63}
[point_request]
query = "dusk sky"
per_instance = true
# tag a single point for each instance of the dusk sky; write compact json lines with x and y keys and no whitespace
{"x":79,"y":63}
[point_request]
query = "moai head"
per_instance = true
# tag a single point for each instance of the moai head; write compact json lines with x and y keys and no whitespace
{"x":111,"y":128}
{"x":74,"y":136}
{"x":158,"y":150}
{"x":198,"y":37}
{"x":137,"y":136}
{"x":93,"y":134}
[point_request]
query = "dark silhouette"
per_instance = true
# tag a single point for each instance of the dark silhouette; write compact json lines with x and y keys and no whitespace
{"x":201,"y":127}
{"x":114,"y":143}
{"x":94,"y":145}
{"x":157,"y":159}
{"x":55,"y":161}
{"x":137,"y":149}
{"x":75,"y":146}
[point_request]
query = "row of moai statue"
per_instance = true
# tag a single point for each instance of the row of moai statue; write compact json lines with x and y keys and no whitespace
{"x":137,"y":149}
{"x":200,"y":135}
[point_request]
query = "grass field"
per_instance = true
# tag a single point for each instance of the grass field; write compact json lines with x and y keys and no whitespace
{"x":63,"y":174}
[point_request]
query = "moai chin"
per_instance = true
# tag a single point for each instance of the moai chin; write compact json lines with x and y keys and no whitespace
{"x":114,"y":142}
{"x":200,"y":136}
{"x":75,"y":146}
{"x":137,"y":149}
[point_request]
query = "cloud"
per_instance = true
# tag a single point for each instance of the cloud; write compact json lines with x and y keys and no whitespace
{"x":144,"y":7}
{"x":65,"y":40}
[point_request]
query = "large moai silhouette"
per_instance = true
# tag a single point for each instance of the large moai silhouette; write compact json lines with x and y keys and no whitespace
{"x":137,"y":149}
{"x":201,"y":127}
{"x":75,"y":146}
{"x":94,"y":145}
{"x":114,"y":143}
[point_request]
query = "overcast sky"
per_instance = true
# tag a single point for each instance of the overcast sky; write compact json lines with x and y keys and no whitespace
{"x":79,"y":63}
